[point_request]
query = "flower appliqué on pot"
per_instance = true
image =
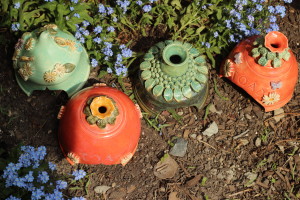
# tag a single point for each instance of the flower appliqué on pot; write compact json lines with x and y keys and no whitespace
{"x":271,"y":49}
{"x":276,"y":85}
{"x":101,"y":111}
{"x":270,"y":99}
{"x":26,"y":71}
{"x":238,"y":58}
{"x":49,"y":76}
{"x":228,"y":68}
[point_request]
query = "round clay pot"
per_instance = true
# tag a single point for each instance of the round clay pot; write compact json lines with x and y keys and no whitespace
{"x":99,"y":125}
{"x":265,"y":68}
{"x":173,"y":74}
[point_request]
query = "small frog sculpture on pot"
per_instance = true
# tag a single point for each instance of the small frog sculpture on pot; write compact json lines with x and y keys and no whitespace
{"x":265,"y":68}
{"x":172,"y":74}
{"x":50,"y":58}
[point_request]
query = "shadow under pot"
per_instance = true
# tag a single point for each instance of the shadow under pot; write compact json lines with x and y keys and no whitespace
{"x":172,"y":74}
{"x":265,"y":68}
{"x":99,"y":125}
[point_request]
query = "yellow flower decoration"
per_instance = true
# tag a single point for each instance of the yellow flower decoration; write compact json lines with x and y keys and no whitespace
{"x":271,"y":98}
{"x":50,"y":76}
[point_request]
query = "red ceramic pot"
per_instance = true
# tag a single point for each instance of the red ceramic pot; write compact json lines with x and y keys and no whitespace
{"x":99,"y":125}
{"x":265,"y":68}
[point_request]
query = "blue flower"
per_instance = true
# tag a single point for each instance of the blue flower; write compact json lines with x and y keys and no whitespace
{"x":11,"y":197}
{"x":98,"y":29}
{"x":17,"y":5}
{"x":86,"y":32}
{"x":280,"y":10}
{"x":110,"y":29}
{"x":259,"y":7}
{"x":228,"y":23}
{"x":82,"y":40}
{"x":288,"y":1}
{"x":85,"y":23}
{"x":79,"y":174}
{"x":19,"y":182}
{"x":43,"y":177}
{"x":216,"y":34}
{"x":78,"y":198}
{"x":207,"y":44}
{"x":77,"y":15}
{"x":94,"y":62}
{"x":123,"y":4}
{"x":274,"y":27}
{"x":37,"y":194}
{"x":271,"y":9}
{"x":152,"y":1}
{"x":115,"y":19}
{"x":74,"y":1}
{"x":97,"y":40}
{"x":41,"y":152}
{"x":78,"y":34}
{"x":272,"y":18}
{"x":71,"y":8}
{"x":52,"y":166}
{"x":250,"y":18}
{"x":139,"y":2}
{"x":147,"y":8}
{"x":60,"y":185}
{"x":126,"y":53}
{"x":101,"y":8}
{"x":110,"y":10}
{"x":29,"y":177}
{"x":15,"y":26}
{"x":109,"y":70}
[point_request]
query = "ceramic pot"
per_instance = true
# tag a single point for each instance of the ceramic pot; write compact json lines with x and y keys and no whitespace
{"x":265,"y":68}
{"x":50,"y":58}
{"x":172,"y":75}
{"x":99,"y":125}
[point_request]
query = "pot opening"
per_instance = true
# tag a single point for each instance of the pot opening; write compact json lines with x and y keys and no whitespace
{"x":102,"y":109}
{"x":275,"y":45}
{"x":176,"y":59}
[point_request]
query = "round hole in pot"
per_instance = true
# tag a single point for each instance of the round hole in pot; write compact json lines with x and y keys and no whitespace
{"x":176,"y":59}
{"x":102,"y":109}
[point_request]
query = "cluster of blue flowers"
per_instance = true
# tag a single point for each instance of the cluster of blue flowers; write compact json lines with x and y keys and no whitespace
{"x":34,"y":181}
{"x":146,"y":7}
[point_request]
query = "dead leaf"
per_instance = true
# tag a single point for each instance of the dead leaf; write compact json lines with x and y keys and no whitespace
{"x":194,"y":181}
{"x":166,"y":167}
{"x":173,"y":196}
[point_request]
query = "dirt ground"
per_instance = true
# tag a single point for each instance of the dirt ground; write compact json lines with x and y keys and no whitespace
{"x":252,"y":156}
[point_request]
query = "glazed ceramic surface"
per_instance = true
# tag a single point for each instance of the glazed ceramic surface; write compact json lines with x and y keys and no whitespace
{"x":99,"y":125}
{"x":265,"y":68}
{"x":50,"y":58}
{"x":173,"y":74}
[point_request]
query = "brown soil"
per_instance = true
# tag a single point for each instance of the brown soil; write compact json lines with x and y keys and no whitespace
{"x":225,"y":159}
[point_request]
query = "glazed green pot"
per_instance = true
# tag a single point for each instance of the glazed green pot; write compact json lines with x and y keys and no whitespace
{"x":50,"y":58}
{"x":172,"y":75}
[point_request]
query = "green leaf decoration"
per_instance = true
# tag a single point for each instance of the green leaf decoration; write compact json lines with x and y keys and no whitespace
{"x":178,"y":95}
{"x":286,"y":55}
{"x":276,"y":63}
{"x":201,"y":78}
{"x":168,"y":94}
{"x":187,"y":91}
{"x":154,"y":49}
{"x":188,"y":46}
{"x":148,"y":56}
{"x":177,"y":42}
{"x":145,"y":65}
{"x":262,"y":61}
{"x":200,"y":59}
{"x":167,"y":42}
{"x":146,"y":74}
{"x":149,"y":84}
{"x":157,"y":90}
{"x":263,"y":51}
{"x":69,"y":67}
{"x":194,"y":52}
{"x":271,"y":55}
{"x":202,"y":69}
{"x":196,"y":86}
{"x":161,"y":45}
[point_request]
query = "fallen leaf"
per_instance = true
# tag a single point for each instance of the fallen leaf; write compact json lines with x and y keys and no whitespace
{"x":173,"y":196}
{"x":194,"y":181}
{"x":166,"y":167}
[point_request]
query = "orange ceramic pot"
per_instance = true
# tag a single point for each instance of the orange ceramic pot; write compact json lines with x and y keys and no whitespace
{"x":265,"y":68}
{"x":99,"y":125}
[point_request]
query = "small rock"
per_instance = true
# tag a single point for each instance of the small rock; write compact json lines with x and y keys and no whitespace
{"x":251,"y":178}
{"x":278,"y":114}
{"x":179,"y":148}
{"x":186,"y":133}
{"x":211,"y":130}
{"x":213,"y":109}
{"x":180,"y":113}
{"x":258,"y":142}
{"x":101,"y":189}
{"x":117,"y":194}
{"x":193,"y":136}
{"x":248,"y":116}
{"x":199,"y":138}
{"x":258,"y":112}
{"x":131,"y":188}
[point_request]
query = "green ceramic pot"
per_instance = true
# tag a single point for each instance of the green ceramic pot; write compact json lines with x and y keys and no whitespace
{"x":50,"y":58}
{"x":172,"y":75}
